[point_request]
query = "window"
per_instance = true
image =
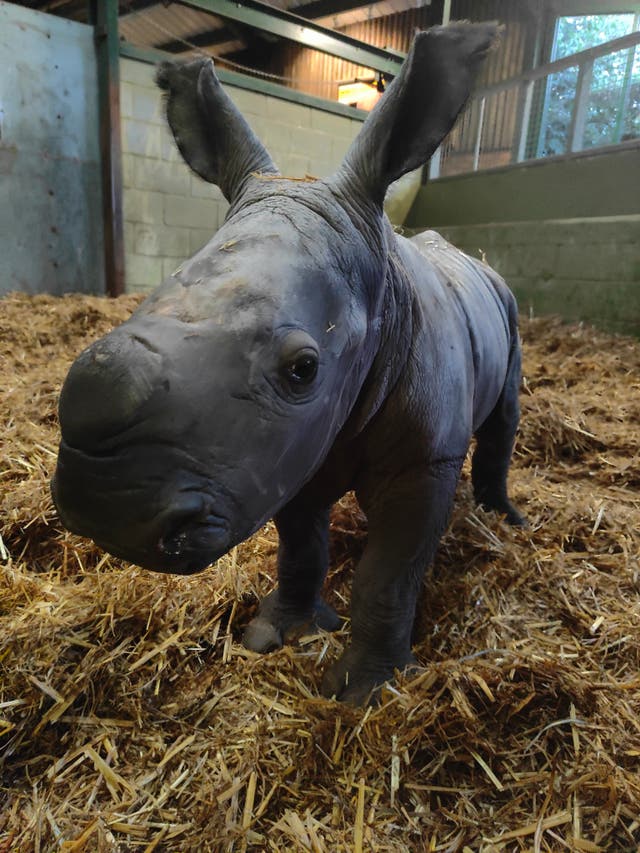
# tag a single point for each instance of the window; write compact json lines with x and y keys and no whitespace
{"x":579,"y":32}
{"x":613,"y":102}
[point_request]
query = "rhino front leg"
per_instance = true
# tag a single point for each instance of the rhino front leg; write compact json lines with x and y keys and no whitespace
{"x":407,"y":517}
{"x":295,"y":607}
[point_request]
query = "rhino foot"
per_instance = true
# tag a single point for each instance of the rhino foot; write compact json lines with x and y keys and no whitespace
{"x":357,"y":677}
{"x":514,"y":518}
{"x":505,"y":508}
{"x":275,"y":625}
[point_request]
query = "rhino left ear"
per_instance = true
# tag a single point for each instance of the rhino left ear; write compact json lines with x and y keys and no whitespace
{"x":419,"y":108}
{"x":211,"y":133}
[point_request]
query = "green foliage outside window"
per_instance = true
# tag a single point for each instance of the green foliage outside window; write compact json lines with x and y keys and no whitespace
{"x":613,"y":108}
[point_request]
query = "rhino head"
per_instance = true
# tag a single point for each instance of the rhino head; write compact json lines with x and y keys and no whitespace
{"x":194,"y":422}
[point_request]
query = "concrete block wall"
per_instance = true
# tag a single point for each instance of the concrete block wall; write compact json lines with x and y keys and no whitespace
{"x":582,"y":269}
{"x":563,"y":231}
{"x":169,"y":213}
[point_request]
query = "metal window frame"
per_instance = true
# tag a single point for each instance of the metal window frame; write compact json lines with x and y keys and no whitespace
{"x":525,"y":83}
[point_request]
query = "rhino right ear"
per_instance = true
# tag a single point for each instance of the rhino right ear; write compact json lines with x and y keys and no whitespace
{"x":419,"y":108}
{"x":211,"y":133}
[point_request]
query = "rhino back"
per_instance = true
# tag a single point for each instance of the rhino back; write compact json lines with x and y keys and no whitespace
{"x":469,"y":320}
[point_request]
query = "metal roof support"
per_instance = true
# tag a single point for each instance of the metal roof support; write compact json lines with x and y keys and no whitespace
{"x":293,"y":27}
{"x":104,"y":17}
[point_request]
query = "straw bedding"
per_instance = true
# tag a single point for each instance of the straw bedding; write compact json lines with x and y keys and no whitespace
{"x":131,"y":718}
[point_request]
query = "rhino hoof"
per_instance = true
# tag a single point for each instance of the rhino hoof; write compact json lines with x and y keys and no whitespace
{"x":274,"y":625}
{"x":261,"y":636}
{"x":326,"y":618}
{"x":357,"y":678}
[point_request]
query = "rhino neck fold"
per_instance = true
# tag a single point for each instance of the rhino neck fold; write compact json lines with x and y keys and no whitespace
{"x":394,"y":329}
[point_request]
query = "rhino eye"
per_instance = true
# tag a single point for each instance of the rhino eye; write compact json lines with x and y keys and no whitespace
{"x":299,"y":360}
{"x":303,"y":369}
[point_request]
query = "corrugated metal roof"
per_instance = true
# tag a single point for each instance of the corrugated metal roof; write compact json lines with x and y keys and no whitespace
{"x":168,"y":24}
{"x":158,"y":24}
{"x":161,"y":23}
{"x":370,"y":13}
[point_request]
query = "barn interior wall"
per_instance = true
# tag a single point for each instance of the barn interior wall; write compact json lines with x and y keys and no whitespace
{"x":319,"y":74}
{"x":170,"y":213}
{"x":50,"y":208}
{"x":563,"y":233}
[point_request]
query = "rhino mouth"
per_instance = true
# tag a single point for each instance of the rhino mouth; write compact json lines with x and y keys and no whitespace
{"x":182,"y":550}
{"x":196,"y":536}
{"x":188,"y":557}
{"x":193,"y":545}
{"x":178,"y":530}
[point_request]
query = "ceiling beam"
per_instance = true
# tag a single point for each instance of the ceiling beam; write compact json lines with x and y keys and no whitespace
{"x":205,"y":38}
{"x":132,"y":6}
{"x":324,"y":8}
{"x":295,"y":28}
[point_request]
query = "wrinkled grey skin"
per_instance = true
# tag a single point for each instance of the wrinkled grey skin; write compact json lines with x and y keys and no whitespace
{"x":204,"y":415}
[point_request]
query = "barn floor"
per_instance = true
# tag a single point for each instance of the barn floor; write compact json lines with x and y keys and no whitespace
{"x":131,"y":718}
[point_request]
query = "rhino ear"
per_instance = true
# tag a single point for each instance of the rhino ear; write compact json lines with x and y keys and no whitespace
{"x":419,"y":108}
{"x":211,"y":133}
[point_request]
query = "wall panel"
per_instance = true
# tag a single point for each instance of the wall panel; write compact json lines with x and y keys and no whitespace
{"x":50,"y":208}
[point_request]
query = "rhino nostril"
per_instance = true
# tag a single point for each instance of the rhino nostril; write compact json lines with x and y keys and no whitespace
{"x":174,"y":545}
{"x":177,"y":522}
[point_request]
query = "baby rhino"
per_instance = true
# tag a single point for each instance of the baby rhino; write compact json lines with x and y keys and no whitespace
{"x":305,"y":351}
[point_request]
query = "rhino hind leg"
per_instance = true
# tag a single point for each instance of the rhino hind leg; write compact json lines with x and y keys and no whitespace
{"x":494,"y":446}
{"x":295,"y":608}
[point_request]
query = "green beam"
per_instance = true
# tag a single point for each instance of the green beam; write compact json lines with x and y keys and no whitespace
{"x":242,"y":81}
{"x":293,"y":27}
{"x":103,"y":14}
